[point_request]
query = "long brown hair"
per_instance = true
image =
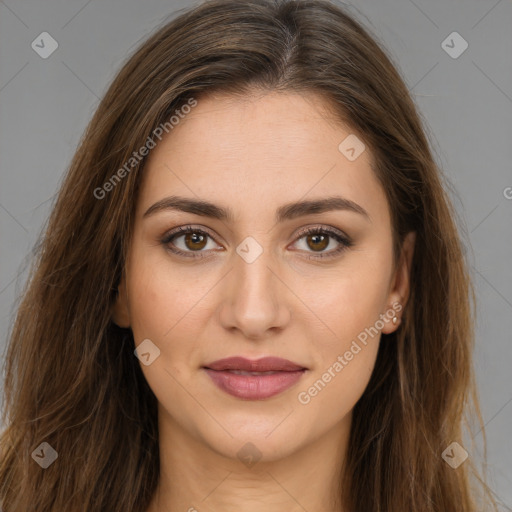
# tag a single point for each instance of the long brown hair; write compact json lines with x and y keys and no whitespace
{"x":71,"y":376}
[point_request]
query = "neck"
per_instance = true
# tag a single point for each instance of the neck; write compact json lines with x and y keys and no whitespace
{"x":194,"y":478}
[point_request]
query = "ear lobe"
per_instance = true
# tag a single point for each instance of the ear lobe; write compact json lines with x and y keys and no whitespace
{"x":120,"y":311}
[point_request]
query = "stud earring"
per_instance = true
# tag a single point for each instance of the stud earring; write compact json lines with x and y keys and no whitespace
{"x":395,"y":320}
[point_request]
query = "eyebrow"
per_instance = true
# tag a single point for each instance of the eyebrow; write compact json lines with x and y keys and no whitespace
{"x":286,"y":212}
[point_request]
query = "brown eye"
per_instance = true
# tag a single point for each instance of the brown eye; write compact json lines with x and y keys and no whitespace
{"x":187,"y":240}
{"x":195,"y":241}
{"x":317,"y":242}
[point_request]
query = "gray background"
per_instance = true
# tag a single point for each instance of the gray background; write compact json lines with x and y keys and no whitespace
{"x":466,"y":103}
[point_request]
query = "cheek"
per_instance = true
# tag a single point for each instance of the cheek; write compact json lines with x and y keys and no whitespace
{"x":348,"y":338}
{"x":165,"y":307}
{"x":345,"y":352}
{"x":332,"y":394}
{"x":349,"y":301}
{"x":163,"y":298}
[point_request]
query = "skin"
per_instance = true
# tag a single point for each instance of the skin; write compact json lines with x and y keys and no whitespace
{"x":254,"y":155}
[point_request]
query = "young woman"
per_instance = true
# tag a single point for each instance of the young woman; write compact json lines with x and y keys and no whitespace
{"x":250,"y":294}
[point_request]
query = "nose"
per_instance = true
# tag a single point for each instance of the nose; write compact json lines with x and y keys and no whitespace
{"x":256,"y":300}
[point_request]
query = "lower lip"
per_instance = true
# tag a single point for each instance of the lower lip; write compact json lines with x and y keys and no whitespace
{"x":254,"y":387}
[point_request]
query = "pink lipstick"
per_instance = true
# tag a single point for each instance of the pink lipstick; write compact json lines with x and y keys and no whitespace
{"x":254,"y":380}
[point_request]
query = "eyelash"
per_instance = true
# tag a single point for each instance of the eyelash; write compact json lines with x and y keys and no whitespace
{"x":343,"y":240}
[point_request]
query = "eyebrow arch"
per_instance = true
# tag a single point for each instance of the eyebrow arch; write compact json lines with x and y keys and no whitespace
{"x":286,"y":212}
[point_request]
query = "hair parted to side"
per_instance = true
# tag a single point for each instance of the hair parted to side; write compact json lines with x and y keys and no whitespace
{"x":71,"y":376}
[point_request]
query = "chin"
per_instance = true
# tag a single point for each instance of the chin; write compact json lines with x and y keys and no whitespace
{"x":266,"y":441}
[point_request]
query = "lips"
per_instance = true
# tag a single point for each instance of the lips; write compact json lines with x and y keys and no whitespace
{"x":265,"y":364}
{"x":254,"y":380}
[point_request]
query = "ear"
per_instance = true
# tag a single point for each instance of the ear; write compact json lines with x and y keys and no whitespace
{"x":400,"y":286}
{"x":120,"y":310}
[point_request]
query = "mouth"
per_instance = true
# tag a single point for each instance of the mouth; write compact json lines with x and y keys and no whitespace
{"x":254,"y":379}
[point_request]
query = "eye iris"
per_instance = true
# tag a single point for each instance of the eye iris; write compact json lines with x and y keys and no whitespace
{"x":195,"y":239}
{"x":315,"y":238}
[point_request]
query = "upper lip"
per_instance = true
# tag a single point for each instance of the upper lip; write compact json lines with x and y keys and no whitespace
{"x":265,"y":364}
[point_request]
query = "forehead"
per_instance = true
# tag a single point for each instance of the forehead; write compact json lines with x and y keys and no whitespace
{"x":261,"y":149}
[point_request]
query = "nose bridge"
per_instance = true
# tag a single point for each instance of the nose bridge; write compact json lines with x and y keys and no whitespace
{"x":256,"y":301}
{"x":253,"y":275}
{"x":254,"y":284}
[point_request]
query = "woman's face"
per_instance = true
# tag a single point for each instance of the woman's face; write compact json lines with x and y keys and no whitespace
{"x":249,"y":281}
